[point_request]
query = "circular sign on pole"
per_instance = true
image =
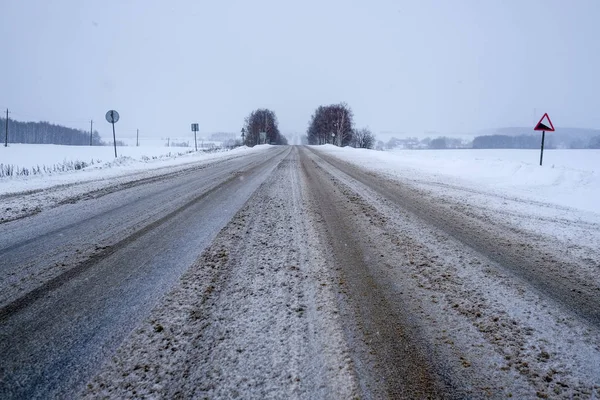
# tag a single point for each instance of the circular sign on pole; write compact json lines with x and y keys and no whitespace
{"x":112,"y":116}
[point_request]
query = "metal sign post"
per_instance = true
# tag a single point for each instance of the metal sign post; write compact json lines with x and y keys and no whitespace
{"x":112,"y":116}
{"x":542,"y":151}
{"x":544,"y":125}
{"x":195,"y":129}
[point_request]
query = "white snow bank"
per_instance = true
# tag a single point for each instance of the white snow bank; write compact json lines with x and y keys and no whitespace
{"x":101,"y":160}
{"x":568,"y":178}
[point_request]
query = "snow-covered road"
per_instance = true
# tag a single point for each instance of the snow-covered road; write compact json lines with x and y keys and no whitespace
{"x":79,"y":275}
{"x":340,"y":279}
{"x":499,"y":305}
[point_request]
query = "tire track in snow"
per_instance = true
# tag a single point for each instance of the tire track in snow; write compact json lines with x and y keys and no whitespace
{"x":556,"y":278}
{"x":51,"y":347}
{"x":498,"y":335}
{"x":396,"y":358}
{"x":28,"y":298}
{"x":255,"y":317}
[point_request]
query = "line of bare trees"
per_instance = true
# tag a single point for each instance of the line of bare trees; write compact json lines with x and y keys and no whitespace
{"x":47,"y":133}
{"x":261,"y":127}
{"x":333,"y":124}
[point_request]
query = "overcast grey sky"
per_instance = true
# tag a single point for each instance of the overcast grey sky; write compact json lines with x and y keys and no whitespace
{"x":403,"y":66}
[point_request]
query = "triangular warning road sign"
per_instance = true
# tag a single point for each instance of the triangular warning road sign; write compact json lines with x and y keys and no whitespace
{"x":545,"y":124}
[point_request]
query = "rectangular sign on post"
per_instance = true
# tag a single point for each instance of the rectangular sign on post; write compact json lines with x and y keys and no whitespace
{"x":195,"y":129}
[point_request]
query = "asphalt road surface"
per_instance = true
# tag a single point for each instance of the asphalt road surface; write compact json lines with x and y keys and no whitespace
{"x":293,"y":274}
{"x":78,"y":278}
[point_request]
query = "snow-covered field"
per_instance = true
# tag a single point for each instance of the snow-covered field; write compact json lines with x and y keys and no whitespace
{"x":33,"y":155}
{"x":99,"y":160}
{"x":170,"y":141}
{"x":569,"y":178}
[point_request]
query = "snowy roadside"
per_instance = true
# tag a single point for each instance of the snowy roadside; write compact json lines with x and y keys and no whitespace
{"x":557,"y":208}
{"x":497,"y":334}
{"x":25,"y":195}
{"x":568,"y":178}
{"x":255,"y":317}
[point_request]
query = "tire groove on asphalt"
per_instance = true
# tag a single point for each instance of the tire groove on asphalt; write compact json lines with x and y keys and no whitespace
{"x":97,"y":193}
{"x":401,"y":359}
{"x":254,"y":317}
{"x":52,"y":347}
{"x":24,"y":301}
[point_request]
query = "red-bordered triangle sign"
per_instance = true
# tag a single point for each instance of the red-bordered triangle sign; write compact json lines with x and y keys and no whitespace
{"x":545,"y":124}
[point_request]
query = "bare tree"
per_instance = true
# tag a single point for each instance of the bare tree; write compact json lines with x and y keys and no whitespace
{"x":438,"y":143}
{"x":363,"y":138}
{"x":331,"y":124}
{"x":262,"y":120}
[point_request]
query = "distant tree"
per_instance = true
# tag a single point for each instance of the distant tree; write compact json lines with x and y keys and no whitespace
{"x":455,"y":143}
{"x":363,"y":138}
{"x":576,"y":144}
{"x":331,"y":124}
{"x":380,"y":145}
{"x":393,"y":143}
{"x":411,"y":143}
{"x":408,"y":143}
{"x":262,"y":120}
{"x":530,"y":141}
{"x":493,"y":142}
{"x":438,"y":143}
{"x":47,"y":133}
{"x":510,"y":142}
{"x":594,"y":143}
{"x":232,"y":143}
{"x":221,"y":136}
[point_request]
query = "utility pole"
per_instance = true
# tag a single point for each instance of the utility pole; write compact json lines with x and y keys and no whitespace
{"x":91,"y":130}
{"x":6,"y":134}
{"x":137,"y":139}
